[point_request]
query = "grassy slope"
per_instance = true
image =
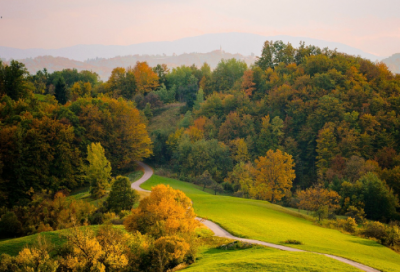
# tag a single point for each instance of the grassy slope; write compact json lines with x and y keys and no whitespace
{"x":58,"y":237}
{"x":272,"y":223}
{"x":264,"y":259}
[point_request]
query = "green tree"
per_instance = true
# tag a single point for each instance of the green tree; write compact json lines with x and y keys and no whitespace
{"x":205,"y":179}
{"x":122,"y":196}
{"x":98,"y":171}
{"x":227,"y":73}
{"x":10,"y":226}
{"x":60,"y":91}
{"x":199,"y":99}
{"x":274,"y":53}
{"x":380,"y":203}
{"x":13,"y":80}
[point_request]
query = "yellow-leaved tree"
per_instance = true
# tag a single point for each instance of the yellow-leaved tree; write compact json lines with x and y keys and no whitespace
{"x":98,"y":172}
{"x":105,"y":252}
{"x":36,"y":258}
{"x":165,"y":212}
{"x":168,"y":249}
{"x":274,"y":175}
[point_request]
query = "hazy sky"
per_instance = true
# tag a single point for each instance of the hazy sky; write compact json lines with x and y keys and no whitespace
{"x":373,"y":26}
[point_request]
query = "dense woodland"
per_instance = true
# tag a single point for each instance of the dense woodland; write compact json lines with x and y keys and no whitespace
{"x":303,"y":127}
{"x":337,"y":116}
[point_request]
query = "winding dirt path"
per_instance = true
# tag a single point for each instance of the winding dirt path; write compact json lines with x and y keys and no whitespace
{"x":220,"y":232}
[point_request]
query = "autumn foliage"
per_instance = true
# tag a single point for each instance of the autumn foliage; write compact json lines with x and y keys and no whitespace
{"x":274,"y":174}
{"x":165,"y":212}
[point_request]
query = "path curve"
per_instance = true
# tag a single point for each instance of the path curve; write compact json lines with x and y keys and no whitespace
{"x":220,"y":232}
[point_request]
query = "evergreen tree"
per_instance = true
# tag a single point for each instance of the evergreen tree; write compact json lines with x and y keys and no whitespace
{"x":122,"y":196}
{"x":60,"y":91}
{"x":98,"y":171}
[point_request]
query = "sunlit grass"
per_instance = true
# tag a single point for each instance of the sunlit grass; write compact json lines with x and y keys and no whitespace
{"x":264,"y":259}
{"x":272,"y":223}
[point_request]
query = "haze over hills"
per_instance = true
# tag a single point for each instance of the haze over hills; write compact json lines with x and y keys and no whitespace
{"x":393,"y":62}
{"x":233,"y":42}
{"x":103,"y":66}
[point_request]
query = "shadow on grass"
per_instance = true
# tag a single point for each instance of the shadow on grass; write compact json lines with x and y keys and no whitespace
{"x":366,"y":242}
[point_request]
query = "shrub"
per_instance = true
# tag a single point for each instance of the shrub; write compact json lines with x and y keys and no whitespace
{"x":357,"y":213}
{"x":10,"y":226}
{"x":348,"y":224}
{"x":392,"y":236}
{"x":374,"y":230}
{"x":293,"y":242}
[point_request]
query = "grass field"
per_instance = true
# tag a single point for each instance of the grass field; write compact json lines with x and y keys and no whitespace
{"x":264,"y":259}
{"x":272,"y":223}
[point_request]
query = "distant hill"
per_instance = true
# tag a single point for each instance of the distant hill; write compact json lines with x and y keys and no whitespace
{"x":241,"y":43}
{"x":104,"y":66}
{"x":393,"y":62}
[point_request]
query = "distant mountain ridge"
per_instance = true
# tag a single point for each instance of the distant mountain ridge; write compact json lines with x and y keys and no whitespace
{"x":103,"y":66}
{"x":233,"y":42}
{"x":393,"y":62}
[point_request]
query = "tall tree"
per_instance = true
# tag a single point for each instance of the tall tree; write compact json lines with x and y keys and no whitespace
{"x":165,"y":212}
{"x":60,"y":91}
{"x":274,"y":175}
{"x":248,"y":86}
{"x":13,"y":80}
{"x":146,"y":79}
{"x":122,"y":196}
{"x":118,"y":126}
{"x":316,"y":199}
{"x":98,"y":171}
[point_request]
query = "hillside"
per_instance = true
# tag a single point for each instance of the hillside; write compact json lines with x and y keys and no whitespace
{"x":273,"y":223}
{"x":393,"y":62}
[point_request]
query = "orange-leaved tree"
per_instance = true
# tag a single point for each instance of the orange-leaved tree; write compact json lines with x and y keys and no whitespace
{"x":166,"y":212}
{"x":146,"y":79}
{"x":319,"y":200}
{"x":274,"y":175}
{"x":248,"y":86}
{"x":118,"y":126}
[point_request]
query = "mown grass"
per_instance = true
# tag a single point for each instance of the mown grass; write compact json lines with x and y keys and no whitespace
{"x":264,"y":221}
{"x":264,"y":259}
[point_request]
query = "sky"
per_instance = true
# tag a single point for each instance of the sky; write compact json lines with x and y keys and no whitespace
{"x":372,"y":26}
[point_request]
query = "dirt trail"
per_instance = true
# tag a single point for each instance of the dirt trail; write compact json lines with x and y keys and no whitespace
{"x":220,"y":232}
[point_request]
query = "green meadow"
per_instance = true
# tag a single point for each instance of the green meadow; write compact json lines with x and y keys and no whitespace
{"x":264,"y":221}
{"x":264,"y":259}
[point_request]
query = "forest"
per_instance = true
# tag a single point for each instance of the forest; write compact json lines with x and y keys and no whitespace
{"x":304,"y":127}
